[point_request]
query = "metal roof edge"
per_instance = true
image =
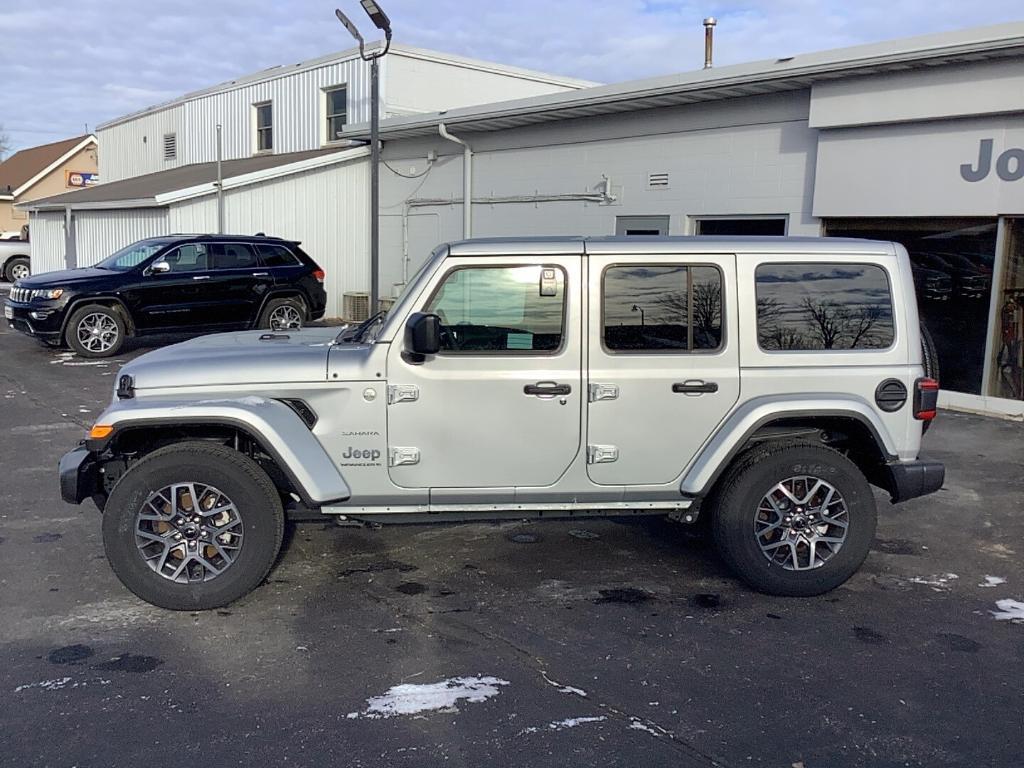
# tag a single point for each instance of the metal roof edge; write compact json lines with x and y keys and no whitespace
{"x":36,"y":206}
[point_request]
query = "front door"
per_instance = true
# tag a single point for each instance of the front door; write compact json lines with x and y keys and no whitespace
{"x":171,"y":300}
{"x":664,"y":362}
{"x":501,"y":404}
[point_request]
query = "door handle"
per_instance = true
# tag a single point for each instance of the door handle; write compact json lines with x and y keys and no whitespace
{"x":695,"y":387}
{"x":200,"y":277}
{"x":260,"y":274}
{"x":549,"y":388}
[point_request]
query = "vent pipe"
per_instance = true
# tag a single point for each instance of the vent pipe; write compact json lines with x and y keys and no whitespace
{"x":709,"y":40}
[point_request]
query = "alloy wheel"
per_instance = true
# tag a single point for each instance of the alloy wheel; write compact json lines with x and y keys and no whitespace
{"x":801,"y":523}
{"x":97,"y":332}
{"x":284,"y":318}
{"x":189,"y":532}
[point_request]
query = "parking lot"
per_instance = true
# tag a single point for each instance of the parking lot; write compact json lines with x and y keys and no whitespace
{"x":573,"y":643}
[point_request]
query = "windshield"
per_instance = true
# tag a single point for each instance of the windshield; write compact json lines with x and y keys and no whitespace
{"x":131,"y":256}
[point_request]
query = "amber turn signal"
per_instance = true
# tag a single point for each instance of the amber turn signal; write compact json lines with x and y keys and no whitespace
{"x":99,"y":431}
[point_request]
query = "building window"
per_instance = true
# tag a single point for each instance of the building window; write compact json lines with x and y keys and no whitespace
{"x":808,"y":306}
{"x":264,"y":126}
{"x":1007,"y":378}
{"x":336,"y":109}
{"x":501,"y":310}
{"x":662,"y":308}
{"x":641,"y":225}
{"x":170,"y":146}
{"x":740,"y":226}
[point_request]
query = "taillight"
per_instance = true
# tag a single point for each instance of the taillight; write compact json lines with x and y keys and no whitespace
{"x":319,"y":275}
{"x":926,"y":398}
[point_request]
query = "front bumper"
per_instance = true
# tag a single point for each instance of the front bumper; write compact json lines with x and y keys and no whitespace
{"x":911,"y":479}
{"x":46,"y":325}
{"x":79,"y":475}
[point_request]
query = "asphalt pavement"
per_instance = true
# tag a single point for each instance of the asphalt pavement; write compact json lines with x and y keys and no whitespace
{"x":596,"y":643}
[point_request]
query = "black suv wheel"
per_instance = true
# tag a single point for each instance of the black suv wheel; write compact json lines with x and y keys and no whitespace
{"x":287,"y":314}
{"x":193,"y":526}
{"x":95,"y":330}
{"x":794,"y":519}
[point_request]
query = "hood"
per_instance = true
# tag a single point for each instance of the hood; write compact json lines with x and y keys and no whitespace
{"x":237,"y":358}
{"x":64,"y":277}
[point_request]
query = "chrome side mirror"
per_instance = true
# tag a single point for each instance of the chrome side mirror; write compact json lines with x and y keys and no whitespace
{"x":159,"y":268}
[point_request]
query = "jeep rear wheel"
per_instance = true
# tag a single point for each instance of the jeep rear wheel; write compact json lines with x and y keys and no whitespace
{"x":193,"y":526}
{"x":794,"y":519}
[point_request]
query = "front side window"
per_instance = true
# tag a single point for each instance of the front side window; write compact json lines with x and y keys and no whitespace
{"x":823,"y":306}
{"x":188,"y":258}
{"x":264,"y":127}
{"x":131,"y":256}
{"x":337,"y":112}
{"x":510,"y":310}
{"x":662,"y":308}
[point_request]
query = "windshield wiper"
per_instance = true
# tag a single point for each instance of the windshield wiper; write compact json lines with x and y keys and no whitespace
{"x":355,"y":335}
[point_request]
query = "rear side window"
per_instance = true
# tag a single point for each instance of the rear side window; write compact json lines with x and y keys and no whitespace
{"x":501,"y":310}
{"x":662,"y":308}
{"x":277,"y":255}
{"x":823,"y":306}
{"x":232,"y":256}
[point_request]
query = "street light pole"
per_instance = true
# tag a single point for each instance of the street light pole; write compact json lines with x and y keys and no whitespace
{"x":383,"y":23}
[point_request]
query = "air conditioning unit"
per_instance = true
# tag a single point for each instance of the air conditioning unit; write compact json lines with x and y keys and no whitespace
{"x":355,"y":306}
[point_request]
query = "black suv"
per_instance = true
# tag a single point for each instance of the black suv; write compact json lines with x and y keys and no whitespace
{"x":178,"y":283}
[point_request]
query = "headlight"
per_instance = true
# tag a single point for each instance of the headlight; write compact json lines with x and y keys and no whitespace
{"x":48,"y":293}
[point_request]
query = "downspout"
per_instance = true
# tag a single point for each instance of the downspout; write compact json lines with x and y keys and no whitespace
{"x":467,"y":180}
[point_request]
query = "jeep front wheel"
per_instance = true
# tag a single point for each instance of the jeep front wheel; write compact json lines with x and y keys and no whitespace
{"x":794,"y":519}
{"x":193,"y":526}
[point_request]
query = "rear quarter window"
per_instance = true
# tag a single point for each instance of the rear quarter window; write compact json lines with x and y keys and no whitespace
{"x":277,"y":255}
{"x":821,"y":306}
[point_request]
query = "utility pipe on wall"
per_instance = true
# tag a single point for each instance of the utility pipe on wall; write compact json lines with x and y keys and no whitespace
{"x":220,"y":182}
{"x":467,"y":180}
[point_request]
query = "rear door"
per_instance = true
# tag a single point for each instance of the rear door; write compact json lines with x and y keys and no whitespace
{"x":664,"y":362}
{"x":238,"y":282}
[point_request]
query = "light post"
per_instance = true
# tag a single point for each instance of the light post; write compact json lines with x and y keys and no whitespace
{"x":383,"y":23}
{"x":638,"y":308}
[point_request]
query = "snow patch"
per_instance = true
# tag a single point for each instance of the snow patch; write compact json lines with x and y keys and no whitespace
{"x":563,"y":688}
{"x":636,"y":725}
{"x":572,"y":722}
{"x":993,"y":581}
{"x":939,"y":583}
{"x":412,"y":699}
{"x":47,"y":685}
{"x":1009,"y":610}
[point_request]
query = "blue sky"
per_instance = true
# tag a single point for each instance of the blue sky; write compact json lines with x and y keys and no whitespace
{"x":68,"y":63}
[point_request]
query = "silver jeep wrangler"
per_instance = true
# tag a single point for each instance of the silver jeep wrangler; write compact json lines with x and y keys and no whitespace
{"x":757,"y":386}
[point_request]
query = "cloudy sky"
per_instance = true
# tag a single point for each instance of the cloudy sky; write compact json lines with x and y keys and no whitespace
{"x":71,"y":63}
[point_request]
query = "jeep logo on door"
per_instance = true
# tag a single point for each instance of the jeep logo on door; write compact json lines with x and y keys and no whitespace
{"x":1009,"y":164}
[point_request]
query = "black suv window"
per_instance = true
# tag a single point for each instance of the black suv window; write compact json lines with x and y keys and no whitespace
{"x":662,"y":308}
{"x":188,"y":258}
{"x":823,"y":306}
{"x":232,"y":256}
{"x":276,"y":255}
{"x":512,"y":310}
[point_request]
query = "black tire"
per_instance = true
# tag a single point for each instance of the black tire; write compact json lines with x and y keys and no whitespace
{"x":746,"y":483}
{"x":71,"y":331}
{"x":13,"y":265}
{"x":236,"y":475}
{"x":277,"y":306}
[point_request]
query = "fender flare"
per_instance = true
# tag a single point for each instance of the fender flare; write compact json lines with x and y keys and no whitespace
{"x":275,"y":426}
{"x":281,"y":293}
{"x":76,"y":303}
{"x":736,"y":430}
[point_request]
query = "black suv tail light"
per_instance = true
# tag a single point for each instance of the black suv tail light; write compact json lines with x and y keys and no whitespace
{"x":926,"y":399}
{"x":319,"y":274}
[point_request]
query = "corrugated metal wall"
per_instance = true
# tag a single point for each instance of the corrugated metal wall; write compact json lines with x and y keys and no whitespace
{"x":99,"y":233}
{"x":47,"y":241}
{"x":327,"y":209}
{"x":297,"y":121}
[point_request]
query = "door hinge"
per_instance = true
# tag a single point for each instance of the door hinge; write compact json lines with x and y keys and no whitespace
{"x":603,"y":392}
{"x":402,"y":393}
{"x":602,"y":454}
{"x":399,"y":456}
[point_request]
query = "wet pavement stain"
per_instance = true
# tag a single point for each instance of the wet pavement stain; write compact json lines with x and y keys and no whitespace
{"x":411,"y":588}
{"x":896,"y":547}
{"x":380,"y":567}
{"x":70,"y":654}
{"x":524,"y":538}
{"x":46,"y":538}
{"x":869,"y":636}
{"x":626,"y":595}
{"x":130,"y":662}
{"x":959,"y":643}
{"x":707,"y":600}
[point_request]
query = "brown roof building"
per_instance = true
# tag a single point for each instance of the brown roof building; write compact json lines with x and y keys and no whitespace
{"x":44,"y":171}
